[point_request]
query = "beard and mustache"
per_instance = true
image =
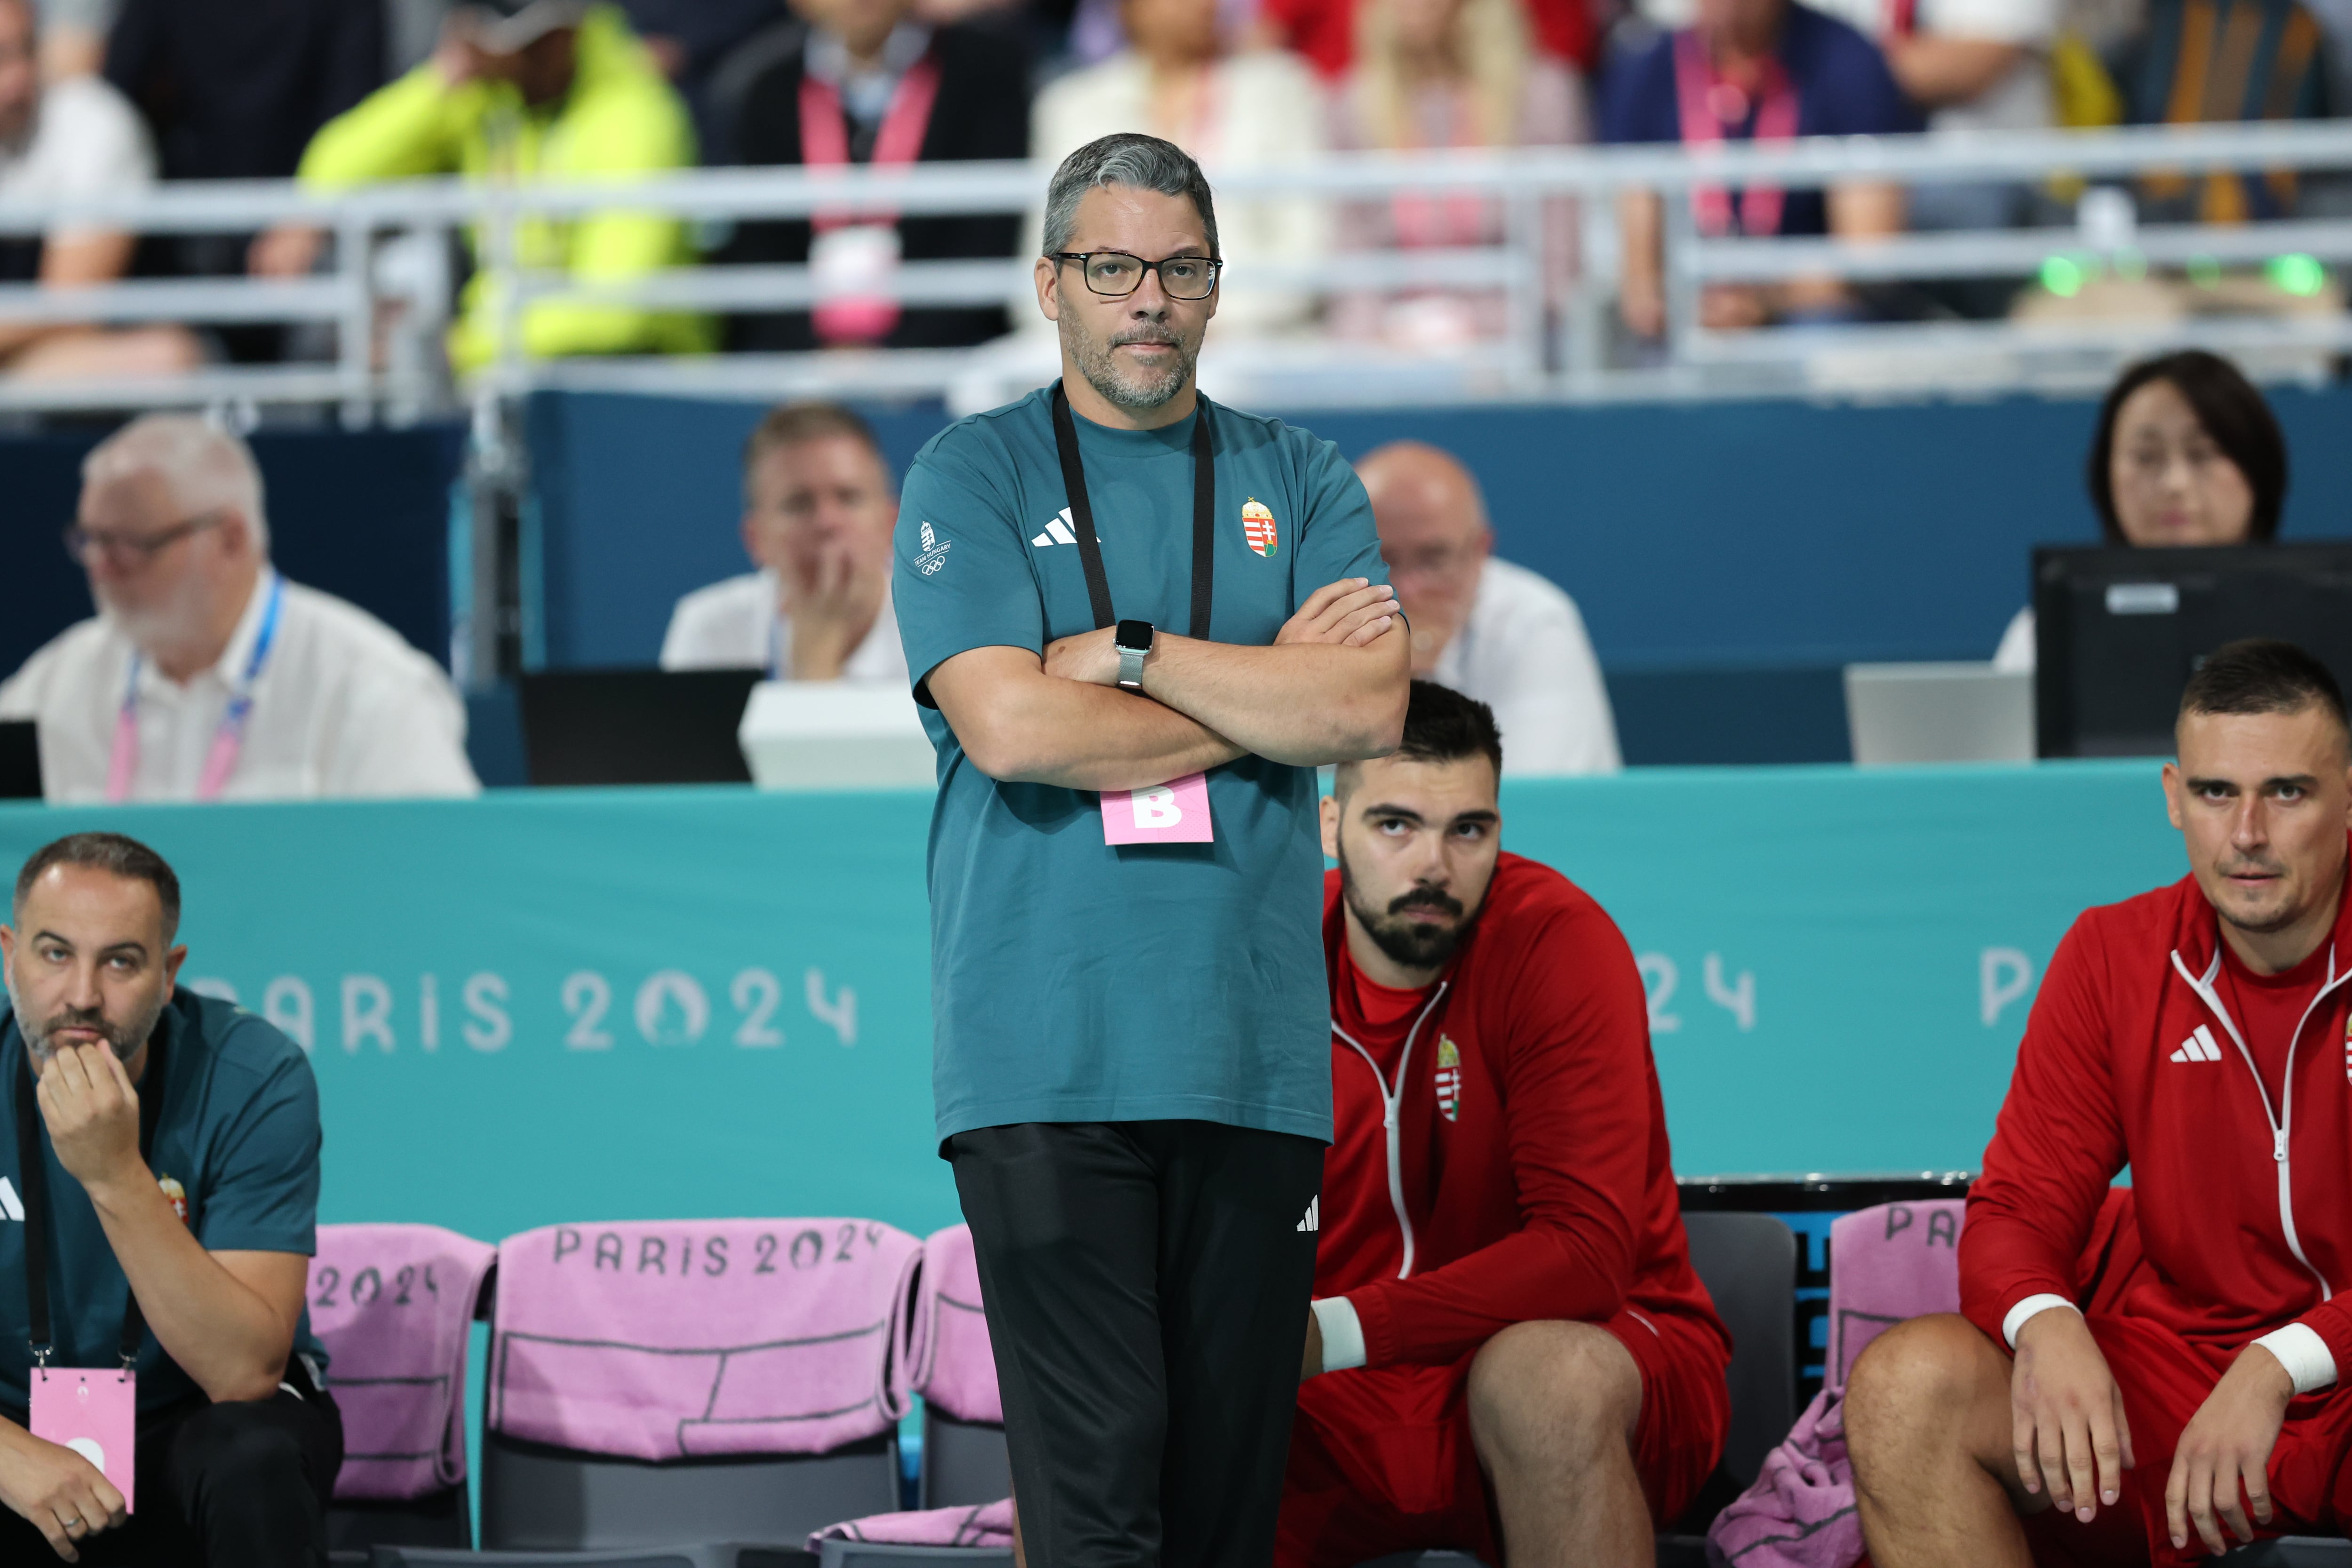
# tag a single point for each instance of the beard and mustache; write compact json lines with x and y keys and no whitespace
{"x":1139,"y":391}
{"x":122,"y":1039}
{"x":1414,"y":944}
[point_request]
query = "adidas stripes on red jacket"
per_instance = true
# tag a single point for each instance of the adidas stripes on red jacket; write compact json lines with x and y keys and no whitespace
{"x":2244,"y":1206}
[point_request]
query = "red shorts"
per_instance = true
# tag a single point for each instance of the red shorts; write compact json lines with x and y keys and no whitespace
{"x":1381,"y":1460}
{"x":2164,"y":1379}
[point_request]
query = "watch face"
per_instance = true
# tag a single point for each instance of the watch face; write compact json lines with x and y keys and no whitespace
{"x":1132,"y":633}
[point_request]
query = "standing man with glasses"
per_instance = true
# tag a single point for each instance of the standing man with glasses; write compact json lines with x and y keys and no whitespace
{"x":1138,"y":623}
{"x":207,"y":676}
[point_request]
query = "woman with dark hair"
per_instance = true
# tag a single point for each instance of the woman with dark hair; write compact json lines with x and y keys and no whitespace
{"x":2186,"y":452}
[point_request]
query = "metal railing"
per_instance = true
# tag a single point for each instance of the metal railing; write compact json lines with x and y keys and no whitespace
{"x":384,"y":299}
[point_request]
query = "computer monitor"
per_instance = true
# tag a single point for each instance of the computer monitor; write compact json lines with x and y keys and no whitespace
{"x":20,"y":760}
{"x":635,"y":726}
{"x":2119,"y":631}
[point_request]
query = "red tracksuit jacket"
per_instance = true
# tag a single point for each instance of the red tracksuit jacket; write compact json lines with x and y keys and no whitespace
{"x":2244,"y":1208}
{"x":1549,"y":1194}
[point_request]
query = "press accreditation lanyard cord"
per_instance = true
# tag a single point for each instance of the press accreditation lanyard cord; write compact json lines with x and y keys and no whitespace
{"x":229,"y":741}
{"x":34,"y":1174}
{"x":1082,"y":514}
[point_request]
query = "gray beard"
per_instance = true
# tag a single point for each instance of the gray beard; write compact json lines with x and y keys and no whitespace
{"x":1102,"y":372}
{"x":124,"y":1043}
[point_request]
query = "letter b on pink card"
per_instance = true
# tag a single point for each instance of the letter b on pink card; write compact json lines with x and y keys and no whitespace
{"x":1174,"y":813}
{"x":94,"y":1410}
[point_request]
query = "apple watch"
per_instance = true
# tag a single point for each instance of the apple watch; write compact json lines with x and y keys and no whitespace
{"x":1133,"y":640}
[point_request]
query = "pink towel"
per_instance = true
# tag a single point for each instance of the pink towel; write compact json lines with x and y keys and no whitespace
{"x":1888,"y":1262}
{"x":661,"y":1340}
{"x":976,"y":1524}
{"x":948,"y":1356}
{"x":394,"y":1304}
{"x":1799,"y":1514}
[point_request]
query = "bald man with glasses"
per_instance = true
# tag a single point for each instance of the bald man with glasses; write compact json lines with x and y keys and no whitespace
{"x":206,"y":675}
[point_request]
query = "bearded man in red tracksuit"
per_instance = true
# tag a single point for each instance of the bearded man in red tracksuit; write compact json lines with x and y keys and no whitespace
{"x":1510,"y":1354}
{"x":2198,"y":1035}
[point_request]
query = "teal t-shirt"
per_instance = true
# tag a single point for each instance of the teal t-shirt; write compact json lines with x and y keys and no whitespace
{"x":238,"y":1132}
{"x":1072,"y":980}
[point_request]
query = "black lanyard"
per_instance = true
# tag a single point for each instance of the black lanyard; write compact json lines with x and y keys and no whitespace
{"x":1082,"y":514}
{"x":35,"y":1171}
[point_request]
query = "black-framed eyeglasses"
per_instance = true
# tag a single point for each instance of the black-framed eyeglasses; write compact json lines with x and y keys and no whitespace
{"x":1115,"y":274}
{"x":132,"y":550}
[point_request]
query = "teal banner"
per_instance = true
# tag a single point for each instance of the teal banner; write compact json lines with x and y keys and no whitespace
{"x":618,"y":1004}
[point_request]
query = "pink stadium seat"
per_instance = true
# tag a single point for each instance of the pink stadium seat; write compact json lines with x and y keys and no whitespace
{"x":393,"y":1305}
{"x":949,"y":1361}
{"x":671,"y":1340}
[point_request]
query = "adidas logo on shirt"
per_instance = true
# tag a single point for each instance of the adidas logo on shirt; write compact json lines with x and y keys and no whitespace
{"x":1312,"y":1222}
{"x":11,"y":1205}
{"x":1057,"y":532}
{"x":2198,"y":1047}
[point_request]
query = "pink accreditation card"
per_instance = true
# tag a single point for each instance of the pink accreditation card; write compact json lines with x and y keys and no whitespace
{"x":1174,"y":813}
{"x":94,"y":1410}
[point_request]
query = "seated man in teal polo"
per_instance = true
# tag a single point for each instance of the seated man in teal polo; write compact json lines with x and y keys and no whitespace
{"x":159,"y":1191}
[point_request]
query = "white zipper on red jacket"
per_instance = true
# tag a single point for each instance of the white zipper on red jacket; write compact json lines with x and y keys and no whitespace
{"x":1390,"y":1099}
{"x":2281,"y":1120}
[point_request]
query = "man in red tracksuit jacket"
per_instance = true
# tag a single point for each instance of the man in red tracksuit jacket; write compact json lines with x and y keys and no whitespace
{"x":2196,"y":1035}
{"x":1507,"y":1333}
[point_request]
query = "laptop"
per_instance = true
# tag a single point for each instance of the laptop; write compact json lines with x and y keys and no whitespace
{"x":1937,"y":713}
{"x":635,"y":726}
{"x":20,"y":760}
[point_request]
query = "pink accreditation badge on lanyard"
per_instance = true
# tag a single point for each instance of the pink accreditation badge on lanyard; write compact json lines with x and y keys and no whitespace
{"x":1710,"y":104}
{"x":228,"y":739}
{"x":1176,"y":812}
{"x":852,"y":257}
{"x":92,"y":1410}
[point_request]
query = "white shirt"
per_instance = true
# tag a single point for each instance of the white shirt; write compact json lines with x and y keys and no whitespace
{"x":87,"y":141}
{"x":736,"y":625}
{"x":1523,"y":653}
{"x":2015,"y":655}
{"x":1264,"y":108}
{"x":342,"y":707}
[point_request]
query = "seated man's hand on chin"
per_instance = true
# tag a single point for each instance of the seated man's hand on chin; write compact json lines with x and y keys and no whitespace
{"x":57,"y":1490}
{"x":2067,"y":1415}
{"x":2228,"y":1440}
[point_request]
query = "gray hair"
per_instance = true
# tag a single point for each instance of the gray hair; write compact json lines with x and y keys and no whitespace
{"x":1139,"y":162}
{"x":207,"y":467}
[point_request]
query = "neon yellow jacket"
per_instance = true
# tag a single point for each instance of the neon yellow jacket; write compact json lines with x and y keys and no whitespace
{"x":620,"y":118}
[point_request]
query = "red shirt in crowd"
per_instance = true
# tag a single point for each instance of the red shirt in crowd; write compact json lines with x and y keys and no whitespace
{"x":1325,"y":30}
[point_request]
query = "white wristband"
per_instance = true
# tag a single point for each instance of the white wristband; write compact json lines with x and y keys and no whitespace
{"x":2305,"y":1355}
{"x":1343,"y":1333}
{"x":2031,"y":1306}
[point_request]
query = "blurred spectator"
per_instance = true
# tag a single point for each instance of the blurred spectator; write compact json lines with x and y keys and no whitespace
{"x":868,"y":85}
{"x":73,"y":36}
{"x":2196,"y":61}
{"x":2186,"y":452}
{"x":1485,"y":628}
{"x":1762,"y":70}
{"x":234,"y":90}
{"x":205,"y":674}
{"x":818,"y":508}
{"x":1329,"y":32}
{"x":552,"y":90}
{"x":1178,"y":81}
{"x":1448,"y":74}
{"x":73,"y":138}
{"x":692,"y":41}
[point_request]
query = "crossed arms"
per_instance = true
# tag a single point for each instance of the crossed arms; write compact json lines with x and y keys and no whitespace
{"x":1332,"y":688}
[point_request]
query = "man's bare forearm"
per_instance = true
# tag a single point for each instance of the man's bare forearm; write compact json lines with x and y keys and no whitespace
{"x":1302,"y":704}
{"x":219,"y":1328}
{"x":1020,"y":725}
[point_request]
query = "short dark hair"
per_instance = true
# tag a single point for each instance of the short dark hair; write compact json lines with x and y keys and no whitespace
{"x":2262,"y":675}
{"x":1441,"y":725}
{"x":112,"y":853}
{"x":2233,"y":413}
{"x":1132,"y":159}
{"x":788,"y":424}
